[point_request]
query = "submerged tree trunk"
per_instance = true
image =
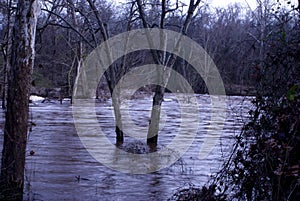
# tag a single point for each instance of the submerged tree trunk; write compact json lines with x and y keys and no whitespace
{"x":19,"y":82}
{"x":153,"y":130}
{"x":165,"y":60}
{"x":118,"y":119}
{"x":111,"y":78}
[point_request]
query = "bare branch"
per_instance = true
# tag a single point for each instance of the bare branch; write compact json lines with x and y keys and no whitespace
{"x":70,"y":26}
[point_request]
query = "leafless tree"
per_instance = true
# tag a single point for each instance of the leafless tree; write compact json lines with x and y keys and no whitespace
{"x":162,"y":58}
{"x":19,"y":83}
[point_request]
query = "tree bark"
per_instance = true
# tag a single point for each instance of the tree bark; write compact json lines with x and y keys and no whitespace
{"x":6,"y":55}
{"x":19,"y":82}
{"x":163,"y":59}
{"x":111,"y":78}
{"x":78,"y":57}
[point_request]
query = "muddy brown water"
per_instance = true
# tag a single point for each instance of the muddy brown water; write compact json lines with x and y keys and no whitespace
{"x":62,"y":169}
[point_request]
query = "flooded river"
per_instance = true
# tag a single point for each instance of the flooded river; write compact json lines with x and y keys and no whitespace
{"x":62,"y":169}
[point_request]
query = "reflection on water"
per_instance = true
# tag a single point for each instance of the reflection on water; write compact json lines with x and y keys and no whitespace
{"x":62,"y":169}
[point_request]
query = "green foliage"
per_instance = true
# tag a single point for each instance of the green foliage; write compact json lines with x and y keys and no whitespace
{"x":292,"y":93}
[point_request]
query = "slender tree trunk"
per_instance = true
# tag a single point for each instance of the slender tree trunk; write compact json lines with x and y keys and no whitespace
{"x":19,"y":82}
{"x":4,"y":81}
{"x":111,"y":78}
{"x":152,"y":135}
{"x":118,"y":119}
{"x":6,"y":51}
{"x":78,"y":57}
{"x":163,"y":59}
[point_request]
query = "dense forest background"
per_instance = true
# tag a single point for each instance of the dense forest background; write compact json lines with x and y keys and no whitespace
{"x":236,"y":37}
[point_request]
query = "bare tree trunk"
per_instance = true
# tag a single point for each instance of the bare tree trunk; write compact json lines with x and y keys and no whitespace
{"x":6,"y":55}
{"x":78,"y":57}
{"x":163,"y":59}
{"x":111,"y":79}
{"x":19,"y":82}
{"x":6,"y":67}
